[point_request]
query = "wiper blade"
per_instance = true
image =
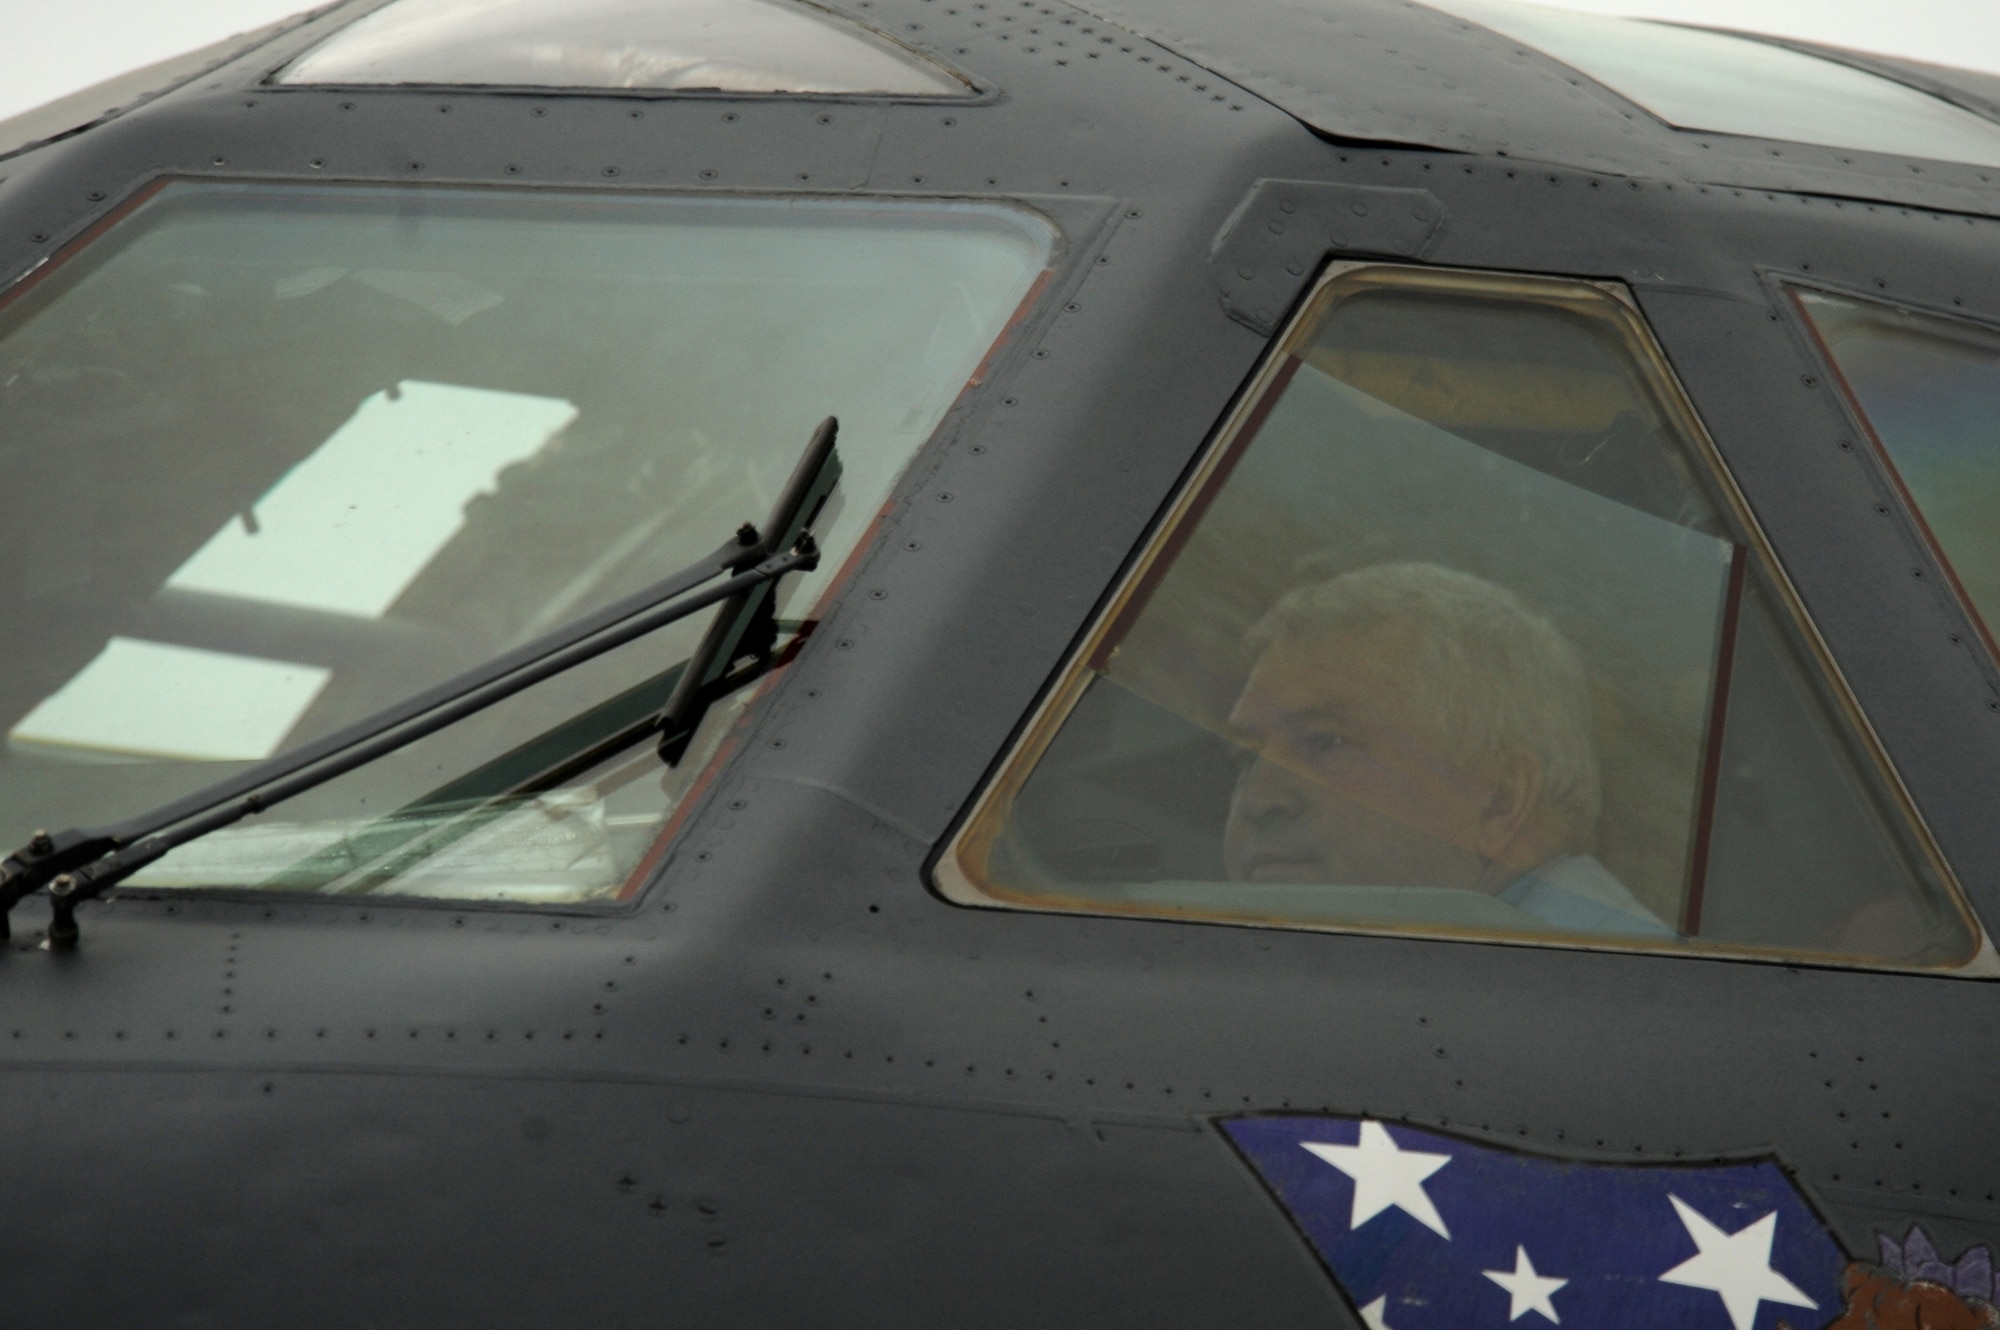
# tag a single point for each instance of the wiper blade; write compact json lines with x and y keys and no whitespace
{"x":81,"y":863}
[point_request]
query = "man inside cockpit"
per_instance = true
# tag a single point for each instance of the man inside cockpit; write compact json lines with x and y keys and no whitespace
{"x":1406,"y":725}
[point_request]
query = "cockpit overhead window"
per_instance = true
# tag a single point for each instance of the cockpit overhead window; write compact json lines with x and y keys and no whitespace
{"x":279,"y":457}
{"x":655,"y":45}
{"x":1928,"y":389}
{"x":1461,"y":630}
{"x":1722,"y":83}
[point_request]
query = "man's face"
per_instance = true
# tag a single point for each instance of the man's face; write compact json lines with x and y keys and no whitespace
{"x":1343,"y":785}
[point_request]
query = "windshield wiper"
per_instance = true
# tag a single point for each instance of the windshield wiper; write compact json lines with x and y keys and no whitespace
{"x":83,"y":862}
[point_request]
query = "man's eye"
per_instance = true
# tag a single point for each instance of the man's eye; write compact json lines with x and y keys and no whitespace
{"x":1318,"y":742}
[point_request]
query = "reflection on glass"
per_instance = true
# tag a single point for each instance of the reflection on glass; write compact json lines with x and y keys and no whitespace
{"x":1726,"y":84}
{"x":1452,"y":635}
{"x":333,"y":445}
{"x":331,"y":535}
{"x":153,"y":700}
{"x":722,"y":45}
{"x":1929,"y":390}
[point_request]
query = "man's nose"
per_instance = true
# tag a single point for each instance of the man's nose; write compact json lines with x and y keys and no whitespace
{"x":1267,"y":794}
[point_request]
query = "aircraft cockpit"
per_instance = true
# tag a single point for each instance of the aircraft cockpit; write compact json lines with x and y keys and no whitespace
{"x":998,"y":662}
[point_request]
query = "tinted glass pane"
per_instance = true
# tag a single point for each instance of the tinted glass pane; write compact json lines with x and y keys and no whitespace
{"x":1457,"y":634}
{"x":1736,"y":85}
{"x":332,"y":445}
{"x":1929,"y":389}
{"x":724,"y":45}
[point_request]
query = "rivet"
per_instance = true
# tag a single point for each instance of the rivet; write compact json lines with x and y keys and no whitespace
{"x":708,"y":173}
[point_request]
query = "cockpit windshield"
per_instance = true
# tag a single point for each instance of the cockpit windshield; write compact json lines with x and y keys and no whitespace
{"x":279,"y":456}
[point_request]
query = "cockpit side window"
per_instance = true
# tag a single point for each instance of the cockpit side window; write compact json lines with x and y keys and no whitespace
{"x":1712,"y":82}
{"x":334,"y":444}
{"x":1926,"y":389}
{"x":1462,"y":630}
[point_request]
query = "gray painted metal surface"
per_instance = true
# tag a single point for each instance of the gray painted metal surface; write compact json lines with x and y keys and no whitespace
{"x":789,"y":1082}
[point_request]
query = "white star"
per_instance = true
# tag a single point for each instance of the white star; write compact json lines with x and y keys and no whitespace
{"x":1736,"y":1266}
{"x":1371,"y":1315}
{"x":1531,"y":1292}
{"x":1385,"y":1176}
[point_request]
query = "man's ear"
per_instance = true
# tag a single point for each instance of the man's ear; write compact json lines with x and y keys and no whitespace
{"x":1508,"y":818}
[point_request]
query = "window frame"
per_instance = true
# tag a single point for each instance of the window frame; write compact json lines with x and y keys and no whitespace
{"x":953,"y":870}
{"x":1790,"y":289}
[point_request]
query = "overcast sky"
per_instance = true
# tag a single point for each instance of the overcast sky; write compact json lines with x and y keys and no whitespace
{"x":52,"y":47}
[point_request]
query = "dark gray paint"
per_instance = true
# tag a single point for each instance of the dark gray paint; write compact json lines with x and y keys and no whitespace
{"x":1394,"y":72}
{"x":1271,"y":247}
{"x":899,"y":1110}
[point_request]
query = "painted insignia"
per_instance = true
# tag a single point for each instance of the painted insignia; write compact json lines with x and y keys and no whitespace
{"x":1423,"y":1230}
{"x":1916,"y":1289}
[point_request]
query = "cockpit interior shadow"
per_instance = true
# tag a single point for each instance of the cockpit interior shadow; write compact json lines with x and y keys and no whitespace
{"x":1128,"y":792}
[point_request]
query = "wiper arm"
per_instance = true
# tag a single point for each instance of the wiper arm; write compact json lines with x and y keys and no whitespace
{"x":747,"y":624}
{"x":81,"y":863}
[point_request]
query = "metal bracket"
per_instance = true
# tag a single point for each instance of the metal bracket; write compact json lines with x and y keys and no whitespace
{"x":1271,"y":245}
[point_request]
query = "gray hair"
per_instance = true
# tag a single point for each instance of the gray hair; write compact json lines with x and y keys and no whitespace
{"x":1491,"y":676}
